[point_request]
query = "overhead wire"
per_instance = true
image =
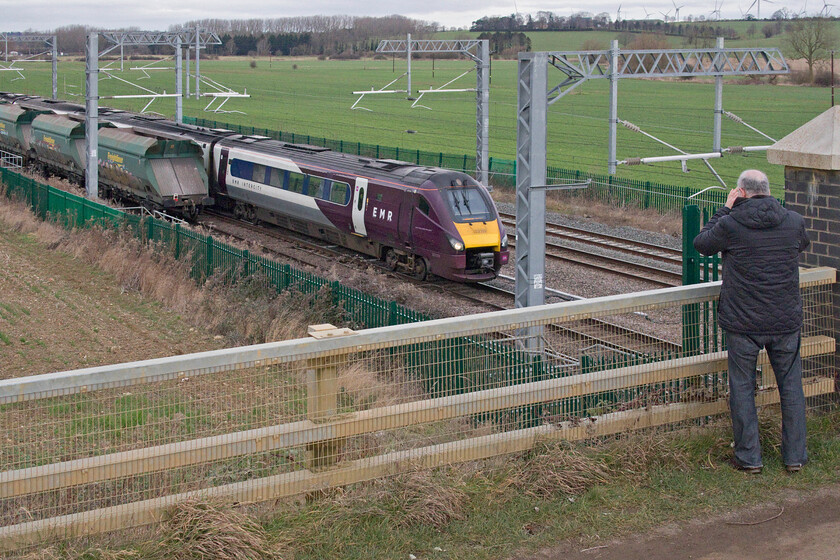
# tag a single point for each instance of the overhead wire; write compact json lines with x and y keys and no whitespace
{"x":452,"y":108}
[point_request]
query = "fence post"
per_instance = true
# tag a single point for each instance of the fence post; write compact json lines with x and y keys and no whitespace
{"x":393,"y":316}
{"x":322,"y":397}
{"x":285,"y":273}
{"x":208,"y":257}
{"x":335,"y":292}
{"x":246,"y":263}
{"x":150,"y":229}
{"x":177,"y":241}
{"x":691,"y":275}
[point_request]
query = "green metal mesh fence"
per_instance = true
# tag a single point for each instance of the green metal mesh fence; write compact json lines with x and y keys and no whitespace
{"x":208,"y":256}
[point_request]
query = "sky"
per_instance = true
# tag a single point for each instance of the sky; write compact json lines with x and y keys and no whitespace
{"x":158,"y":15}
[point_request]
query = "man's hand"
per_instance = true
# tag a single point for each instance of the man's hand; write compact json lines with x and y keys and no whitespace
{"x":734,"y":194}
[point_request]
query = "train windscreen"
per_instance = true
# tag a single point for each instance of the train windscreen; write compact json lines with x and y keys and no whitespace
{"x":468,"y":204}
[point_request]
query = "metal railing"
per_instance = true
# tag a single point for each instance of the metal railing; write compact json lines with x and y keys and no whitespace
{"x":9,"y":160}
{"x":114,"y":447}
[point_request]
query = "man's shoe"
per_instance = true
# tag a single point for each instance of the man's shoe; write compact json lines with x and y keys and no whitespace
{"x":743,"y":468}
{"x":792,"y":469}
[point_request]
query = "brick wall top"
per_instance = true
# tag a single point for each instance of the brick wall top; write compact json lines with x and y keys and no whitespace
{"x":814,"y":145}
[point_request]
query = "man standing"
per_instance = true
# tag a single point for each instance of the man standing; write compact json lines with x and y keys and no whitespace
{"x":760,"y":307}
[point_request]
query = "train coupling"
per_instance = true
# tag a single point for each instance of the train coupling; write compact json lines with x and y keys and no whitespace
{"x":481,"y":261}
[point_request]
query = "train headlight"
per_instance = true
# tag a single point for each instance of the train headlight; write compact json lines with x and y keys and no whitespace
{"x":504,"y":240}
{"x":456,"y":244}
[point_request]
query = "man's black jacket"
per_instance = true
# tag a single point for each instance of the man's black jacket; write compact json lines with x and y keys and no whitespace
{"x":760,"y":242}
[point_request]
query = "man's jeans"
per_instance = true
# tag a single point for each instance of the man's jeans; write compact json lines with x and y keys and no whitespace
{"x":783,"y":350}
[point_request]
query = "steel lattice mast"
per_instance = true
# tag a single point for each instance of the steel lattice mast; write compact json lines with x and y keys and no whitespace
{"x":120,"y":39}
{"x":478,"y":50}
{"x":49,"y":40}
{"x":534,"y":94}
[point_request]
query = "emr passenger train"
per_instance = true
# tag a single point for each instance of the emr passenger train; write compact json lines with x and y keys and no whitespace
{"x":425,"y":220}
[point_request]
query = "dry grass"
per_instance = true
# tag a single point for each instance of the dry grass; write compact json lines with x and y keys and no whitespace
{"x":631,"y":216}
{"x":63,"y":553}
{"x":558,"y":468}
{"x":211,"y":529}
{"x":564,"y":468}
{"x":246,"y":312}
{"x":635,"y":455}
{"x":250,"y":311}
{"x":384,"y":286}
{"x":427,"y":498}
{"x":365,"y":386}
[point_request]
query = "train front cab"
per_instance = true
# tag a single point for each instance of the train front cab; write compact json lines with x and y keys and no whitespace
{"x":475,"y":244}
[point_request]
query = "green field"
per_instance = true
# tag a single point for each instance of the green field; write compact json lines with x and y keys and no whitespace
{"x":574,"y":40}
{"x":315,"y":97}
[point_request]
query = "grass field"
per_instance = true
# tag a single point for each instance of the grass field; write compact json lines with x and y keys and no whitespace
{"x":314,"y":97}
{"x":573,"y":40}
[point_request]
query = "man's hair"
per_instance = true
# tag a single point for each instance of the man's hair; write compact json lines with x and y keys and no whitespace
{"x":754,"y":182}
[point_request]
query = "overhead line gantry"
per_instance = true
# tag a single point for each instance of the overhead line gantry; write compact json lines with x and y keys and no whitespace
{"x":477,"y":50}
{"x":120,"y":39}
{"x":535,"y":95}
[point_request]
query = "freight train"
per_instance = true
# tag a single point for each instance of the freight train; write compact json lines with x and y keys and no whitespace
{"x":423,"y":220}
{"x":151,"y":168}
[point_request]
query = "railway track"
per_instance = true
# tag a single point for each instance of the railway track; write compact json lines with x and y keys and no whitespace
{"x":303,"y":247}
{"x":590,"y":333}
{"x":668,"y":273}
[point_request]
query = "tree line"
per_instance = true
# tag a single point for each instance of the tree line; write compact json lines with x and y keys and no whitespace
{"x":585,"y":21}
{"x":311,"y":35}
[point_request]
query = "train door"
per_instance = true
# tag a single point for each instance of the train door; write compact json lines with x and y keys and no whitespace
{"x":359,"y":205}
{"x":223,"y":162}
{"x":406,"y":225}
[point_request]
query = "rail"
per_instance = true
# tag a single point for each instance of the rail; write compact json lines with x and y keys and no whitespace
{"x":114,"y":447}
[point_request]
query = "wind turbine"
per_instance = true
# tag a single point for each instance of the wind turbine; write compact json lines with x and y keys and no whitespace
{"x":716,"y":11}
{"x":758,"y":4}
{"x":665,"y":15}
{"x":677,"y":10}
{"x":825,"y":9}
{"x":647,"y":13}
{"x":618,"y":14}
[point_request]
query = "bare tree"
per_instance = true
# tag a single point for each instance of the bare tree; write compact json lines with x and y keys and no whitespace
{"x":72,"y":38}
{"x":263,"y":47}
{"x":812,"y":40}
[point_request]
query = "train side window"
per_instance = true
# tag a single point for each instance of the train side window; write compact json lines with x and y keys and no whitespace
{"x":326,"y":185}
{"x":259,"y":174}
{"x":423,"y":205}
{"x":316,"y":187}
{"x":340,"y":193}
{"x":241,"y":169}
{"x":295,"y":182}
{"x":276,"y":178}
